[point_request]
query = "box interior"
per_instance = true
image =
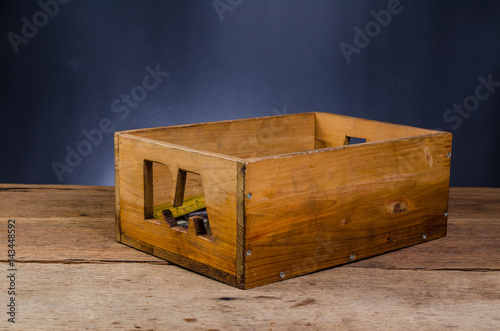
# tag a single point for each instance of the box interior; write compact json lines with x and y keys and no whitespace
{"x":267,"y":136}
{"x":262,"y":137}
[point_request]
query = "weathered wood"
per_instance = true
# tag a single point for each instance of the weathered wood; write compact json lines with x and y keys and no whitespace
{"x":89,"y":281}
{"x":335,"y":130}
{"x":471,"y":243}
{"x":155,"y":297}
{"x":467,"y":245}
{"x":219,"y":180}
{"x":245,"y":138}
{"x":314,"y":210}
{"x":49,"y":201}
{"x":475,"y":203}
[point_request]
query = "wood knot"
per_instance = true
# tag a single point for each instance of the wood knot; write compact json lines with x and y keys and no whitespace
{"x":428,"y":157}
{"x":398,"y":207}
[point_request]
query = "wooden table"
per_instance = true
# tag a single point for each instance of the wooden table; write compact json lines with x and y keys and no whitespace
{"x":72,"y":275}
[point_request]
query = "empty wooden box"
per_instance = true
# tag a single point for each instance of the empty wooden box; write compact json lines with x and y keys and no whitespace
{"x":285,"y":195}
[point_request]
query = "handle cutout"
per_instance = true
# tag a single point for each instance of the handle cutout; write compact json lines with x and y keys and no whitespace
{"x":354,"y":140}
{"x":180,"y":207}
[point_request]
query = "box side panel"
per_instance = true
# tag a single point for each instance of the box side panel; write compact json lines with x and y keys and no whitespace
{"x":243,"y":138}
{"x":332,"y":129}
{"x":317,"y":210}
{"x":219,"y":178}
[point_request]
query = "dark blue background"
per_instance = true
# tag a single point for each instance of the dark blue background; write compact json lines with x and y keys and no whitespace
{"x":263,"y":57}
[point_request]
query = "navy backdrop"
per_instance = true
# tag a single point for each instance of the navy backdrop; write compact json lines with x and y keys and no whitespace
{"x":74,"y":71}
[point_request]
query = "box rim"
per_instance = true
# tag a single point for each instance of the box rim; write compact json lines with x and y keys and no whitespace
{"x":134,"y":134}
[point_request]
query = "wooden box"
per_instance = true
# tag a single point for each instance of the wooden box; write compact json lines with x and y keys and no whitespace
{"x":285,"y":195}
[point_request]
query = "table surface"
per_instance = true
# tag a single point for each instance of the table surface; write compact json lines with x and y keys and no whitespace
{"x":72,"y":275}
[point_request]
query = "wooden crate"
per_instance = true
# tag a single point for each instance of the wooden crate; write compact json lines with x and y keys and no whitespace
{"x":285,"y":195}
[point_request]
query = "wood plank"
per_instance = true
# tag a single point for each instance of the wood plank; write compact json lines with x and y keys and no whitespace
{"x":244,"y":138}
{"x":130,"y":296}
{"x":470,"y":243}
{"x":474,"y":203}
{"x":70,"y":240}
{"x":314,"y":210}
{"x":451,"y":283}
{"x":334,"y":130}
{"x":219,"y":178}
{"x":44,"y":201}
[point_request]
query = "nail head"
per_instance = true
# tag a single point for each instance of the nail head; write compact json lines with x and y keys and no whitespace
{"x":282,"y":274}
{"x":249,"y":195}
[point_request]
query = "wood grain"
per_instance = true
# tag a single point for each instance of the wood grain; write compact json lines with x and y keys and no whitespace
{"x":470,"y":243}
{"x":73,"y":275}
{"x":155,"y":297}
{"x":52,"y":201}
{"x":335,"y":130}
{"x":475,"y":203}
{"x":319,"y":201}
{"x":219,"y":181}
{"x":245,"y":138}
{"x":314,"y":210}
